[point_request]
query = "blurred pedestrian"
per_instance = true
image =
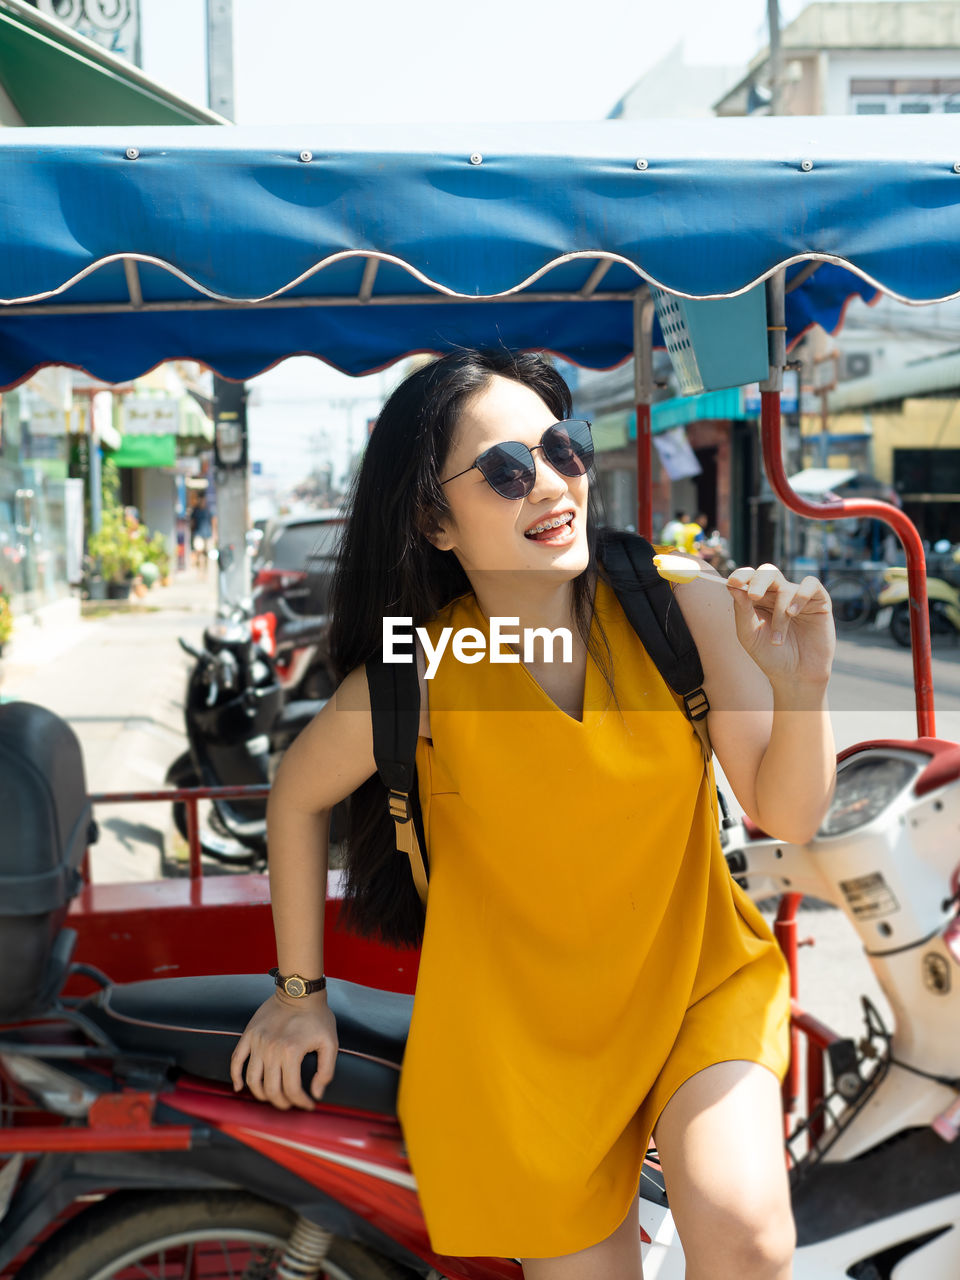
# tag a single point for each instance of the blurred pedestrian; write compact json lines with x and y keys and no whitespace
{"x":673,"y":529}
{"x":690,"y":535}
{"x":201,"y":532}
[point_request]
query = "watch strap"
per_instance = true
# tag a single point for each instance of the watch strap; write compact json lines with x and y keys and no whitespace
{"x":306,"y":986}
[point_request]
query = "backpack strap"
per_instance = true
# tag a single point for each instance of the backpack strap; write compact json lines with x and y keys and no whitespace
{"x":647,"y":600}
{"x":395,"y":713}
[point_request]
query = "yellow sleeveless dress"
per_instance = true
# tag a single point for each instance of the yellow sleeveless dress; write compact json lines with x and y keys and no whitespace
{"x":586,"y":950}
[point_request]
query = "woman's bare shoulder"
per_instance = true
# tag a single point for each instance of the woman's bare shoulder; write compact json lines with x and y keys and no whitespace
{"x":353,"y":693}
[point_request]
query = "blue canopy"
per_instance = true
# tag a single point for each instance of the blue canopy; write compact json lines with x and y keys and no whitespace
{"x":125,"y":247}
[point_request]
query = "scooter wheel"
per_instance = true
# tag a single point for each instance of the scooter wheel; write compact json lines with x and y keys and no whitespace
{"x":900,"y":625}
{"x":216,"y":839}
{"x":169,"y":1234}
{"x":181,"y":775}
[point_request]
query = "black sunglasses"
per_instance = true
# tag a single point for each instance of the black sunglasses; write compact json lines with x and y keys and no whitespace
{"x":509,"y":469}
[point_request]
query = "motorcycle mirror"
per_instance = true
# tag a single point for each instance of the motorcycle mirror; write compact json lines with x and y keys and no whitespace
{"x":188,"y":648}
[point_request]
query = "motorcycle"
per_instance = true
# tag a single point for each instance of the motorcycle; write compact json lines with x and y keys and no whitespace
{"x":137,"y":1075}
{"x":238,"y":726}
{"x":298,"y":644}
{"x":943,"y":602}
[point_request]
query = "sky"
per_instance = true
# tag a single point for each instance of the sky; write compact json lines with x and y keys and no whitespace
{"x":422,"y":60}
{"x":413,"y":61}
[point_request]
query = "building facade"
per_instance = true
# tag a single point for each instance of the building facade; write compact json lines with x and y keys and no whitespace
{"x":837,"y":59}
{"x":54,"y":429}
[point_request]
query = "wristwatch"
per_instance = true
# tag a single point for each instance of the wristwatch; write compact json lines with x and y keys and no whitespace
{"x":296,"y":986}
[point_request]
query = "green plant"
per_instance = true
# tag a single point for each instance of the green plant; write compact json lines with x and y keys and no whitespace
{"x":115,"y":545}
{"x":155,"y":552}
{"x":6,"y":618}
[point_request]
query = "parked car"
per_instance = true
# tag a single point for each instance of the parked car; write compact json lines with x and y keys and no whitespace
{"x":293,"y":572}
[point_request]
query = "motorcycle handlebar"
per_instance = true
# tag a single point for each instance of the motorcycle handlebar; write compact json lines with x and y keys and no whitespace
{"x":198,"y":654}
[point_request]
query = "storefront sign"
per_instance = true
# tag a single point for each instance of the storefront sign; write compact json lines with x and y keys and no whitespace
{"x":46,"y":420}
{"x":150,"y":416}
{"x":113,"y":24}
{"x":146,"y":451}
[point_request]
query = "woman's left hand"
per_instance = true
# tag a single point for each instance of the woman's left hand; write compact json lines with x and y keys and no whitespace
{"x":786,"y":627}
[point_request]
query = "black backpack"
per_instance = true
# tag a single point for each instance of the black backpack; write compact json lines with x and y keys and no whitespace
{"x":645,"y":597}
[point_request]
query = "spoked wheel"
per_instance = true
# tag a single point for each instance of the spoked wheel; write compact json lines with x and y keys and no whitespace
{"x":900,"y":625}
{"x":940,"y":624}
{"x":852,"y":598}
{"x":201,"y":1236}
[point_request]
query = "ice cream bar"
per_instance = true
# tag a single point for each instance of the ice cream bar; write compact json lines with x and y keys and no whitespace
{"x":676,"y":568}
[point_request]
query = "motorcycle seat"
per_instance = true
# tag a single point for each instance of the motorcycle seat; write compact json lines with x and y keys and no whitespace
{"x":196,"y":1023}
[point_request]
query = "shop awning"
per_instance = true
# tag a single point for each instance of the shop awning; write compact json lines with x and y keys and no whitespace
{"x":146,"y":451}
{"x":615,"y":430}
{"x":366,"y":244}
{"x":814,"y":482}
{"x":53,"y":76}
{"x":194,"y":423}
{"x":682,"y":410}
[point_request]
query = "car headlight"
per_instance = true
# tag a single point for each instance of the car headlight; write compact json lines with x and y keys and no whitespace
{"x":864,"y":789}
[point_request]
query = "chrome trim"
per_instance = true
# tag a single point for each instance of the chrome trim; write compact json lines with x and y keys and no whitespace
{"x":348,"y":1162}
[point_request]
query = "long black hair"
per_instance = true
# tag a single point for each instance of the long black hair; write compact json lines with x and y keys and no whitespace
{"x":388,"y":566}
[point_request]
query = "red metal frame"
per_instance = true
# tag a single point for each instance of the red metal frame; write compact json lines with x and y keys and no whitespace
{"x":221,"y":924}
{"x":36,"y":1139}
{"x":855,"y":508}
{"x":189,"y":797}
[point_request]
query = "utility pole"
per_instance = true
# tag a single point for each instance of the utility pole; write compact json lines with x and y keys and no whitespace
{"x":776,"y":57}
{"x":229,"y":398}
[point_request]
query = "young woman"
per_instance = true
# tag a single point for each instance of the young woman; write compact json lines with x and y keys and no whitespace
{"x":591,"y":975}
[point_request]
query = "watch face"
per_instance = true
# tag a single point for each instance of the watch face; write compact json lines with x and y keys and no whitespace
{"x":295,"y":986}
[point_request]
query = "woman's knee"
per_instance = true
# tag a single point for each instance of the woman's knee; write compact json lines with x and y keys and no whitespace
{"x":757,"y":1243}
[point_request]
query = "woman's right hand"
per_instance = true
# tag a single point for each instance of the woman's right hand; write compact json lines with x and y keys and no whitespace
{"x":276,"y":1040}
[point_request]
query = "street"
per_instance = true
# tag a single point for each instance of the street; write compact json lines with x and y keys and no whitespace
{"x":119,"y":680}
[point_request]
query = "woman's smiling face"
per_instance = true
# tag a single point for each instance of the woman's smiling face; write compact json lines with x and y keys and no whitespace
{"x":486,"y":531}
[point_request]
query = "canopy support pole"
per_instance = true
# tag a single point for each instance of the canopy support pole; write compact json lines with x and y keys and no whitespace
{"x":847,"y":509}
{"x":643,"y":313}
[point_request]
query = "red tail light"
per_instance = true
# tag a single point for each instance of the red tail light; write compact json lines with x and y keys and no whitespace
{"x":279,"y":579}
{"x":263,"y":629}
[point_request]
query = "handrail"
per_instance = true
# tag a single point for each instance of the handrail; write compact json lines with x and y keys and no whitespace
{"x":187,"y":796}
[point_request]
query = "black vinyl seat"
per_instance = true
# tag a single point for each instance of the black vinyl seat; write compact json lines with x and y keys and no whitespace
{"x":197,"y":1022}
